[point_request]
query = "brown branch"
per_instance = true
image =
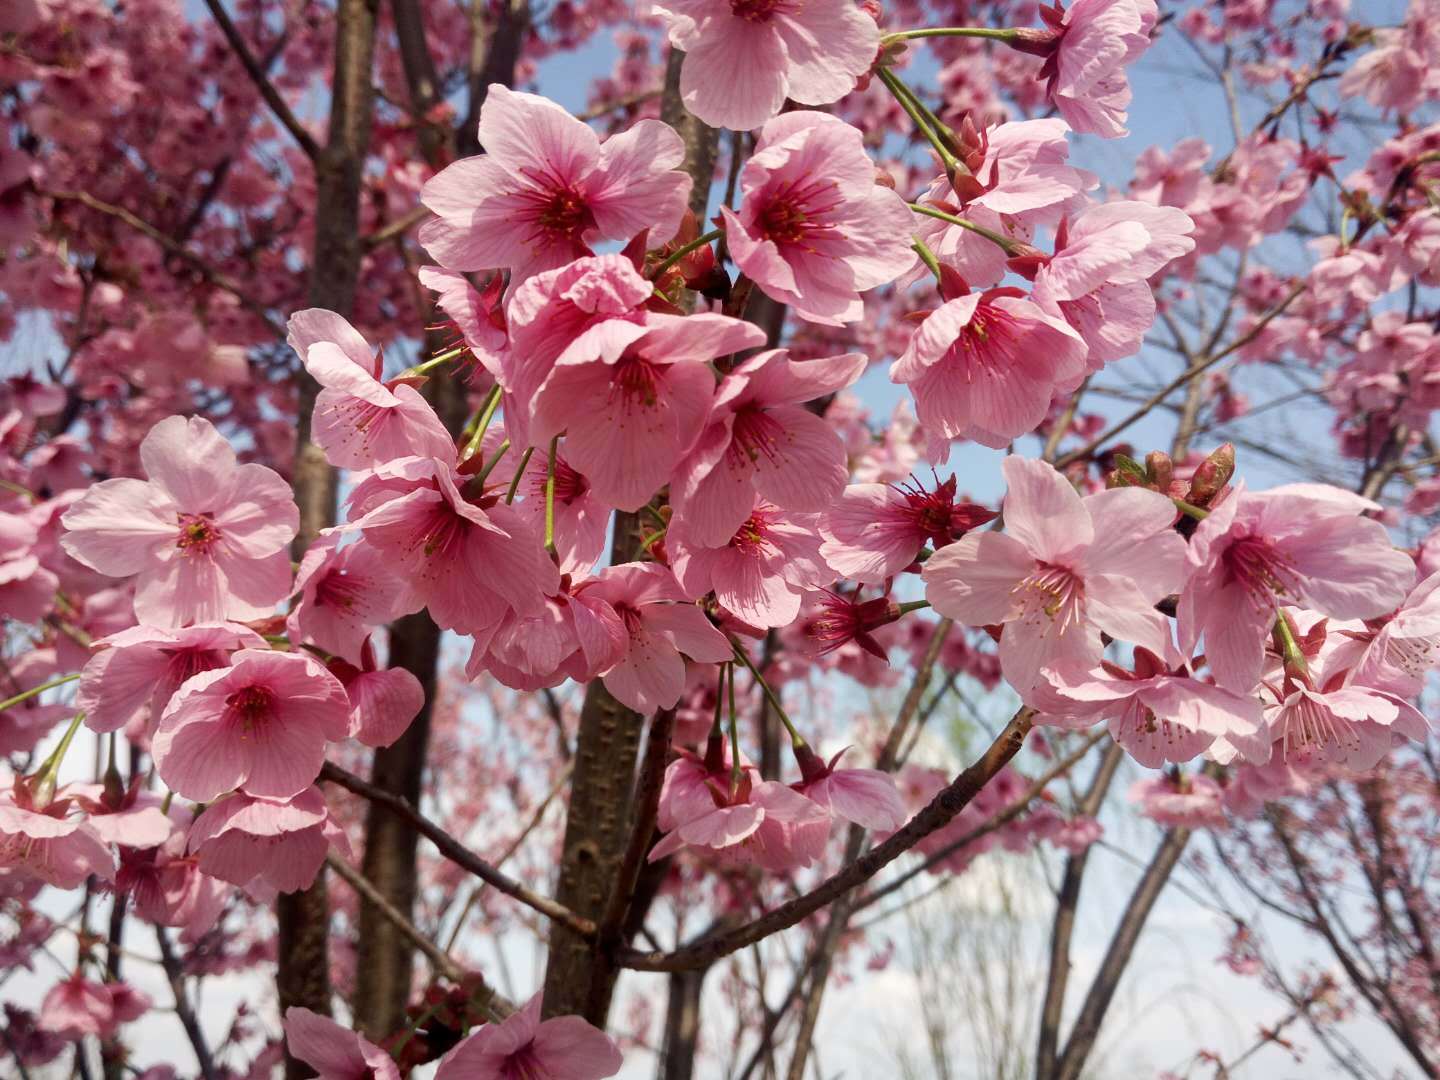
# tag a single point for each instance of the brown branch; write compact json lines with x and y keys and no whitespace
{"x":175,"y":975}
{"x":396,"y":227}
{"x":1196,"y":369}
{"x":256,"y":71}
{"x":1117,"y":957}
{"x":457,"y":852}
{"x":940,"y":811}
{"x":439,"y":959}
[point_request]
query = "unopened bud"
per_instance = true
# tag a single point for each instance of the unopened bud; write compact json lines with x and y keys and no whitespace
{"x":1160,"y":468}
{"x":1127,"y":472}
{"x":1211,"y":475}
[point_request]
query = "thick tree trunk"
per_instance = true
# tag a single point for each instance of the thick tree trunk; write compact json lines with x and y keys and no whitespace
{"x":303,"y":977}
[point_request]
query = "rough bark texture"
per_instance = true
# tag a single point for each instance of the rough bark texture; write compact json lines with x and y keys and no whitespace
{"x":682,"y":1025}
{"x":303,"y":976}
{"x":580,"y":975}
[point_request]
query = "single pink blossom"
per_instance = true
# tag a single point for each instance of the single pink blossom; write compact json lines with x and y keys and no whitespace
{"x":1347,"y":726}
{"x":133,"y":673}
{"x":1305,"y":543}
{"x":744,"y":58}
{"x":260,"y":725}
{"x":815,"y":230}
{"x":77,"y":1007}
{"x":27,"y":589}
{"x":1065,"y":569}
{"x":266,"y":845}
{"x":1096,"y":280}
{"x":639,"y":399}
{"x":1397,"y":657}
{"x":208,"y":538}
{"x":577,"y":635}
{"x":335,"y":1052}
{"x":986,"y":366}
{"x":360,"y":420}
{"x":345,"y":592}
{"x":49,"y":845}
{"x":1175,"y":801}
{"x":1086,"y":71}
{"x":760,"y":437}
{"x":478,"y":317}
{"x":546,"y":188}
{"x":763,"y":823}
{"x":522,"y":1046}
{"x":383,"y":703}
{"x":762,"y":572}
{"x":166,"y":887}
{"x":467,"y":559}
{"x":874,"y":531}
{"x":660,"y":623}
{"x":865,"y":797}
{"x":582,"y":517}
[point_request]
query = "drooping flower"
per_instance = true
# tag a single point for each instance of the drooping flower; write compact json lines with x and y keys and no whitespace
{"x":986,"y":366}
{"x":874,"y":531}
{"x":1192,"y":802}
{"x":478,"y":317}
{"x":546,"y":188}
{"x":359,"y":419}
{"x":1398,"y":656}
{"x":581,"y":516}
{"x":1065,"y":570}
{"x":1096,"y":280}
{"x":814,"y":229}
{"x":383,"y":702}
{"x":760,"y":437}
{"x":743,"y":58}
{"x":523,"y":1046}
{"x":1304,"y":543}
{"x":577,"y":635}
{"x":1086,"y":69}
{"x":49,"y":845}
{"x":633,"y":406}
{"x":764,"y":823}
{"x":135,"y":672}
{"x":206,"y":537}
{"x":762,"y":572}
{"x":335,"y":1052}
{"x":266,"y":845}
{"x":866,"y":797}
{"x":260,"y":725}
{"x":660,"y":623}
{"x":345,"y":592}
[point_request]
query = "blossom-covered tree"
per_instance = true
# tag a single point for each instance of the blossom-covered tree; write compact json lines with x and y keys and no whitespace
{"x":424,"y":526}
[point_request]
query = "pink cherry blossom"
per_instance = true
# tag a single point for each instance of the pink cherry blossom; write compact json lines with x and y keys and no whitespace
{"x":743,"y":58}
{"x":345,"y":592}
{"x":260,"y":725}
{"x":1191,"y":801}
{"x":866,"y":797}
{"x":207,"y":537}
{"x":266,"y":845}
{"x":761,"y":573}
{"x":523,"y":1046}
{"x":985,"y":366}
{"x":874,"y":531}
{"x":582,"y":517}
{"x":335,"y":1052}
{"x":479,"y":317}
{"x":1096,"y":280}
{"x":1159,"y":713}
{"x":1347,"y":725}
{"x":27,"y":589}
{"x":1065,"y":569}
{"x":467,"y":561}
{"x":1305,"y":543}
{"x":134,"y":673}
{"x":547,"y":188}
{"x":1086,"y":72}
{"x":77,"y":1006}
{"x":1396,"y":658}
{"x":383,"y":703}
{"x":815,"y":230}
{"x":763,"y":823}
{"x":632,"y":410}
{"x":577,"y":635}
{"x":166,"y":887}
{"x":48,"y":845}
{"x":760,"y":437}
{"x":359,"y":419}
{"x":660,"y":623}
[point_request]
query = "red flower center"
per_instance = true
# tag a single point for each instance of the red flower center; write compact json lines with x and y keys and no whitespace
{"x":755,"y":10}
{"x":196,"y":534}
{"x":1259,"y":568}
{"x":251,"y":706}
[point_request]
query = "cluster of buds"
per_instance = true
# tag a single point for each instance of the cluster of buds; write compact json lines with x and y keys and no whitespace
{"x":438,"y":1021}
{"x":1200,"y":490}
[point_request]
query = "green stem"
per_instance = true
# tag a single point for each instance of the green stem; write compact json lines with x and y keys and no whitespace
{"x":500,"y":452}
{"x":1006,"y":245}
{"x":736,"y":771}
{"x":1008,"y":36}
{"x":482,"y":422}
{"x":1189,"y":510}
{"x":10,"y":703}
{"x":550,"y":497}
{"x":795,"y":737}
{"x":515,"y":480}
{"x":42,"y":786}
{"x":927,"y":257}
{"x":685,"y":249}
{"x":916,"y":111}
{"x":913,"y":605}
{"x":434,"y":362}
{"x":1290,"y":648}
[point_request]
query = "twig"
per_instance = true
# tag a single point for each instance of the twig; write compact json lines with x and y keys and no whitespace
{"x":457,"y":852}
{"x":439,"y":959}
